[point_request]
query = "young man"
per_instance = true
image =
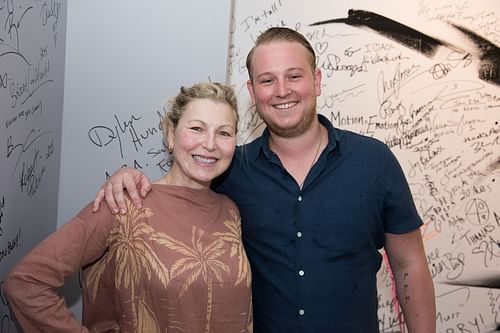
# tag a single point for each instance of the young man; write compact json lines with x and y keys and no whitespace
{"x":317,"y":203}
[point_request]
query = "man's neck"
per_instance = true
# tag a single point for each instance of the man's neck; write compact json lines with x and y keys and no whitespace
{"x":299,"y":154}
{"x":296,"y":146}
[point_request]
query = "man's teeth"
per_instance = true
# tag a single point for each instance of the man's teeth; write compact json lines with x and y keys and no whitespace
{"x":203,"y":159}
{"x":285,"y":105}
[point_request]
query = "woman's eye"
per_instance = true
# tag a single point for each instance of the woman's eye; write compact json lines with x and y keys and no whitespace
{"x":196,"y":129}
{"x":225,"y":133}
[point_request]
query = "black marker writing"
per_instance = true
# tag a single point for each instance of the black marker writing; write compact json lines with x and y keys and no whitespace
{"x":102,"y":136}
{"x":31,"y":138}
{"x":490,"y":248}
{"x":12,"y":245}
{"x":31,"y":176}
{"x":2,"y":206}
{"x":50,"y":10}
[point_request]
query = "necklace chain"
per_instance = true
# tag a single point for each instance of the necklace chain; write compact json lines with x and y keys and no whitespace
{"x":315,"y":156}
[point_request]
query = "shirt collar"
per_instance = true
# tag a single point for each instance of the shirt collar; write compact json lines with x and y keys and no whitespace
{"x":261,"y":144}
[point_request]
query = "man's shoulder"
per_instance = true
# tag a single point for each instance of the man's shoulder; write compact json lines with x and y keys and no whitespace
{"x":355,"y":140}
{"x":255,"y":142}
{"x":249,"y":148}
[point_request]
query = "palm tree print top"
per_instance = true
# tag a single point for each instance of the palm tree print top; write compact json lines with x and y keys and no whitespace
{"x":177,"y":265}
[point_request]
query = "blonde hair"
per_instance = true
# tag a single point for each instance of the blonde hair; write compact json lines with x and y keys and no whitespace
{"x":176,"y":106}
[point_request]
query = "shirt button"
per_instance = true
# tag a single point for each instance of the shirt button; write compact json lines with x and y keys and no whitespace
{"x":301,"y":273}
{"x":299,"y":198}
{"x":299,"y":234}
{"x":301,"y":312}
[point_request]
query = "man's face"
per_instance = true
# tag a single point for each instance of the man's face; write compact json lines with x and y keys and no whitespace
{"x":284,"y":87}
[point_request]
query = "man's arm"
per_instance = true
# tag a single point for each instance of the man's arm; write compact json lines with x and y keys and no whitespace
{"x":414,"y":286}
{"x":112,"y":190}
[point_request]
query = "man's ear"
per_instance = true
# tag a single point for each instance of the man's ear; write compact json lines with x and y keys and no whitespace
{"x":317,"y":81}
{"x":251,"y":91}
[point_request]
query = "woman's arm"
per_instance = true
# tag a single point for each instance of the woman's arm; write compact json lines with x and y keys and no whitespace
{"x":31,"y":286}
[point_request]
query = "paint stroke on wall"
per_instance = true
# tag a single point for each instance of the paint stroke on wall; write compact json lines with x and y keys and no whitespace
{"x":486,"y":51}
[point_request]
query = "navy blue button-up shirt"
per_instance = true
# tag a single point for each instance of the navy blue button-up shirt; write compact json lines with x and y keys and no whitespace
{"x":314,"y":251}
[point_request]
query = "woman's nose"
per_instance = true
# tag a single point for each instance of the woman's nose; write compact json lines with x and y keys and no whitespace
{"x":209,"y":141}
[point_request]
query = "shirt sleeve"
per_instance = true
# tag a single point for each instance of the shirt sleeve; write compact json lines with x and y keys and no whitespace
{"x":31,"y":285}
{"x":400,"y":213}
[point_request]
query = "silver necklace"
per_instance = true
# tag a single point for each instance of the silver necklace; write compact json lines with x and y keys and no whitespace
{"x":315,"y":156}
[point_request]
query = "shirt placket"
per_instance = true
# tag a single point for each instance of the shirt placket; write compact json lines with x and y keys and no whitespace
{"x":300,"y":262}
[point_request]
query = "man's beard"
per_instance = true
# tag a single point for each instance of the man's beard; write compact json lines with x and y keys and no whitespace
{"x":292,"y":132}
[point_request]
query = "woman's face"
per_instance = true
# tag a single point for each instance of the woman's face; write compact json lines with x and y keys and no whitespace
{"x":203,"y":143}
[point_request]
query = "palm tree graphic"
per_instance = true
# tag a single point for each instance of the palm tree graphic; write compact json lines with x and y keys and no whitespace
{"x":128,"y":247}
{"x":198,"y":261}
{"x":233,"y":236}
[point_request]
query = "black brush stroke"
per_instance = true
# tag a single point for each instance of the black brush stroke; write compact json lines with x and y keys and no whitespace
{"x":493,"y":166}
{"x":484,"y":282}
{"x":489,"y":56}
{"x":392,"y":29}
{"x":489,"y":53}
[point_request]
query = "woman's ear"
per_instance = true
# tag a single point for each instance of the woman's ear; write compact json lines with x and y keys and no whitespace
{"x":170,"y":139}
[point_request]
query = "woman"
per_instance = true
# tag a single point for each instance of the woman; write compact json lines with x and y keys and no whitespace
{"x":175,"y":265}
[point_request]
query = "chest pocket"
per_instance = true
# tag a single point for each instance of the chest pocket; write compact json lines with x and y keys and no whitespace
{"x":347,"y":230}
{"x":261,"y":219}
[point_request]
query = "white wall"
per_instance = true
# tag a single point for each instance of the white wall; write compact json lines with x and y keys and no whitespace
{"x":438,"y":112}
{"x":123,"y":58}
{"x":32,"y":47}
